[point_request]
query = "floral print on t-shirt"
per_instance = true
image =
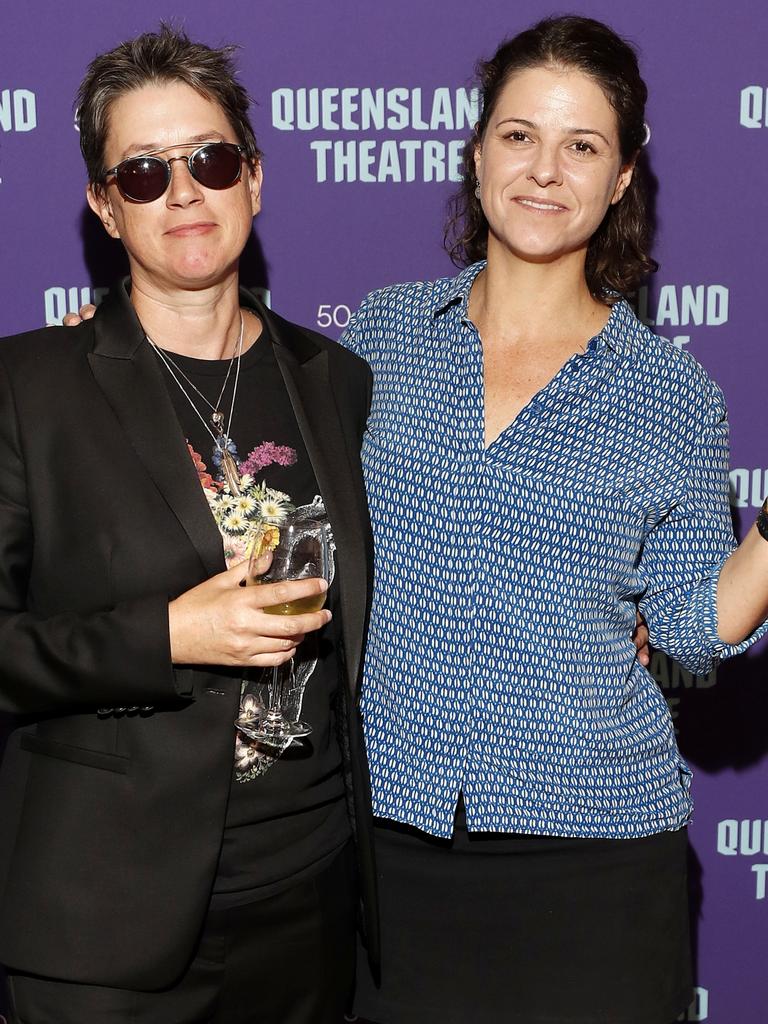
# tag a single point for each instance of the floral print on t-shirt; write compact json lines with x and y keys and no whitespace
{"x":241,"y":520}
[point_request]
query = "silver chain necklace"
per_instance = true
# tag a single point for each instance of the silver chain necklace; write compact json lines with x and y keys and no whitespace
{"x":216,"y":426}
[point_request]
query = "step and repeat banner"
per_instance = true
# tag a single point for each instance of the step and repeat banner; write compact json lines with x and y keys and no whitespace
{"x":361,"y":111}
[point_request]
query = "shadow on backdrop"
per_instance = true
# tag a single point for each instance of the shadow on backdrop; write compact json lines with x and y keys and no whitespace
{"x":652,"y":207}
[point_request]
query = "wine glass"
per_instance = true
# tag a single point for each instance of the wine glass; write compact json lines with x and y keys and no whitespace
{"x":302,"y":552}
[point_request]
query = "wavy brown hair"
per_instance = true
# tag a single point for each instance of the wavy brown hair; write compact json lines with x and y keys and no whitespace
{"x":618,"y":256}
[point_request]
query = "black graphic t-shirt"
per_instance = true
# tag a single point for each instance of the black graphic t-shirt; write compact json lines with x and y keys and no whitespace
{"x":287,"y":813}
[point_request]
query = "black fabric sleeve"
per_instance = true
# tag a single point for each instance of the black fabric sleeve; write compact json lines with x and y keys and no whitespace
{"x":118,"y":655}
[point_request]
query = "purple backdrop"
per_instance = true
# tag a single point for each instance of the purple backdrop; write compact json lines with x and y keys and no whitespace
{"x":361,"y":113}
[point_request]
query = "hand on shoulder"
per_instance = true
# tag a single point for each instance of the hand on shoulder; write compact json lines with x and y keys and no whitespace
{"x":73,"y":319}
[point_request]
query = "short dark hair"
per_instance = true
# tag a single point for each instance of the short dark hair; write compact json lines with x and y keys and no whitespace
{"x":618,"y":256}
{"x":167,"y":55}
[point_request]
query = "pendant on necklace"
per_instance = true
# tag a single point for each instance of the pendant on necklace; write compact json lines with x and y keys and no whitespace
{"x":217,"y":421}
{"x":229,"y":468}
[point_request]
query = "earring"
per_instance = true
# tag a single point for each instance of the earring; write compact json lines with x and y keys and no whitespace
{"x":477,"y":188}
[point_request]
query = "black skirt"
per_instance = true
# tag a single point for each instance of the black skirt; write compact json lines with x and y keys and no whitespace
{"x":529,"y":929}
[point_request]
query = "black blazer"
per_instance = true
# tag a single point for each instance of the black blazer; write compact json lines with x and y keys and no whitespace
{"x":110,"y":825}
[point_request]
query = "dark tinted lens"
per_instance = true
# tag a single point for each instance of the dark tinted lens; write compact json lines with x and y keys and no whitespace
{"x":216,"y":165}
{"x":143,"y":179}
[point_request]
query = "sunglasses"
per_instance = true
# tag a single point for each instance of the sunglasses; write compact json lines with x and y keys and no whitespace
{"x":142,"y":179}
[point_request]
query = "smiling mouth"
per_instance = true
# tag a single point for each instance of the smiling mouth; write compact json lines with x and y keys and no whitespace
{"x":540,"y":204}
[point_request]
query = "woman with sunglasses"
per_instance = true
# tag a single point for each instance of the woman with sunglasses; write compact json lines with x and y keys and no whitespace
{"x":156,"y":864}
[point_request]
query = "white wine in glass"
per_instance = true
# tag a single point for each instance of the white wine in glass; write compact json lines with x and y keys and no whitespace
{"x":313,"y":603}
{"x":302,"y":553}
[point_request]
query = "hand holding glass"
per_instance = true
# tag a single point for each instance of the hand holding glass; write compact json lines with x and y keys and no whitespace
{"x":301,"y":553}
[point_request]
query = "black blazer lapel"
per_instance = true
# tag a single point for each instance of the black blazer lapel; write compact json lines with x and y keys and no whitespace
{"x":126,"y":370}
{"x":304,"y":366}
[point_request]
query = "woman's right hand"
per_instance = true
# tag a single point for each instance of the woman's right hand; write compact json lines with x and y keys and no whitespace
{"x":221,"y":622}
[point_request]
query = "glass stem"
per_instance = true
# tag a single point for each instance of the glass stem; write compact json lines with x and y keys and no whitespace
{"x":274,"y":710}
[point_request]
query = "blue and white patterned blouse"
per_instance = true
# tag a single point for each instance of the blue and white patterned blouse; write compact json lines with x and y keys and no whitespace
{"x":500,"y":661}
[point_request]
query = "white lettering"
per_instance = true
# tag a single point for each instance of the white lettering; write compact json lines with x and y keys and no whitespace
{"x":455,"y":159}
{"x":761,"y":870}
{"x":367,"y":157}
{"x":307,"y":109}
{"x":282,"y":109}
{"x":370,"y":161}
{"x":389,"y":165}
{"x":349,"y":105}
{"x":353,"y":109}
{"x":699,"y":1008}
{"x":748,"y":488}
{"x":344,"y":161}
{"x":442,"y":110}
{"x":728,"y":837}
{"x":681,"y":305}
{"x":754,"y":104}
{"x":738,"y":480}
{"x":322,"y":148}
{"x":717,"y":305}
{"x":667,"y":308}
{"x":342,"y":315}
{"x":750,"y":834}
{"x":338,"y":315}
{"x":692,"y":304}
{"x":434,"y":161}
{"x":417,"y":121}
{"x":60,"y":301}
{"x":410,"y":148}
{"x":330,"y":105}
{"x":398,"y":108}
{"x":396,"y":102}
{"x":467,"y":108}
{"x":746,"y":837}
{"x":18,"y":110}
{"x":372,"y":108}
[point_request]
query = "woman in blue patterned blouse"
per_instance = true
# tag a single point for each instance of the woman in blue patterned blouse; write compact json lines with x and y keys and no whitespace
{"x":536,"y":460}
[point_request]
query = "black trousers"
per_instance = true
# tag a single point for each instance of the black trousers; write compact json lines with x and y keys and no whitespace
{"x":529,"y":929}
{"x":288,"y":959}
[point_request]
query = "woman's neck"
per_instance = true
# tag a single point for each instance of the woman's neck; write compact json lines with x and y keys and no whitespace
{"x":204,"y":324}
{"x":517,"y":299}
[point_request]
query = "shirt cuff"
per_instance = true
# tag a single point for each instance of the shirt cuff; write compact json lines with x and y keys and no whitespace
{"x":706,"y":614}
